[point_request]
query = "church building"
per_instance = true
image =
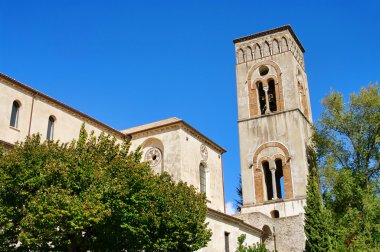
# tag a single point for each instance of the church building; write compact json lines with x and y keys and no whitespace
{"x":274,"y":121}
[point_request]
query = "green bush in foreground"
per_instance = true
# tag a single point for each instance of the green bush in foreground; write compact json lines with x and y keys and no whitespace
{"x":94,"y":195}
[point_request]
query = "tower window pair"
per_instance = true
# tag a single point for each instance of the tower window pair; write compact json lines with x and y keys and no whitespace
{"x":274,"y":180}
{"x":267,"y":97}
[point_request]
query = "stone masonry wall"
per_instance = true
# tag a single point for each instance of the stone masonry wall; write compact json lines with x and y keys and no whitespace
{"x":289,"y":231}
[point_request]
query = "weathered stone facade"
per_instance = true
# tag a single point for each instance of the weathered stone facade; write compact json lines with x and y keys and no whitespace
{"x":170,"y":145}
{"x":274,"y":118}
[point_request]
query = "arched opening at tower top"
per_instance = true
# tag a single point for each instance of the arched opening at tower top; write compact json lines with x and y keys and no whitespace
{"x":272,"y":96}
{"x":262,"y":100}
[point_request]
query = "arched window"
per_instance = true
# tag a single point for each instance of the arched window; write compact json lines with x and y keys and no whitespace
{"x":268,"y":180}
{"x":262,"y":101}
{"x":279,"y":179}
{"x":50,"y":128}
{"x":14,"y":114}
{"x":303,"y":100}
{"x":272,"y":96}
{"x":202,"y":178}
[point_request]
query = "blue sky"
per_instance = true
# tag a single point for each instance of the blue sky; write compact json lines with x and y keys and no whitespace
{"x":128,"y":63}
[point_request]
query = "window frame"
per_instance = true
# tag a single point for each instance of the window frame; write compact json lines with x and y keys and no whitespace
{"x":15,"y":113}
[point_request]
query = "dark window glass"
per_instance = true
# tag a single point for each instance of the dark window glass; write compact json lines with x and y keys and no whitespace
{"x":14,"y":114}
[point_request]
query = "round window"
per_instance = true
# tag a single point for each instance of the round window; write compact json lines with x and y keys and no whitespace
{"x":263,"y":70}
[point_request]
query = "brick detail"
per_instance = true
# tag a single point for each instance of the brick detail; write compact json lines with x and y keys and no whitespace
{"x":287,"y":176}
{"x":253,"y":94}
{"x":259,"y":174}
{"x":259,"y":181}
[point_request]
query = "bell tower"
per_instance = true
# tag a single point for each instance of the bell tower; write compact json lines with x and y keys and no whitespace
{"x":274,"y":121}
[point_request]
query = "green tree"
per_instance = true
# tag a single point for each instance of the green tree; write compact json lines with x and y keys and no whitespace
{"x":239,"y":192}
{"x":318,"y":220}
{"x":347,"y":139}
{"x":250,"y":248}
{"x":94,"y":194}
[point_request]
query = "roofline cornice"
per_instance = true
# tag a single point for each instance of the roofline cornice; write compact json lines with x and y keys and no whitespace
{"x":272,"y":31}
{"x":188,"y":127}
{"x":87,"y":118}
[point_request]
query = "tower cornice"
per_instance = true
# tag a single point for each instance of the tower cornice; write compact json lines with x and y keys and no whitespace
{"x":272,"y":31}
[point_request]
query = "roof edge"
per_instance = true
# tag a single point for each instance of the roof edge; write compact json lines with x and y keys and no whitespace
{"x":272,"y":31}
{"x":89,"y":118}
{"x":234,"y":219}
{"x":180,"y":121}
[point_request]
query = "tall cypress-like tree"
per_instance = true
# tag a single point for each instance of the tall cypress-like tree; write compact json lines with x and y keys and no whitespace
{"x":318,"y":221}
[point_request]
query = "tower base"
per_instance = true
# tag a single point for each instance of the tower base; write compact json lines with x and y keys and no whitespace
{"x":284,"y":234}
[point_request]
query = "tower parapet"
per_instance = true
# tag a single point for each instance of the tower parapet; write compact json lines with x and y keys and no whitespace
{"x":269,"y":43}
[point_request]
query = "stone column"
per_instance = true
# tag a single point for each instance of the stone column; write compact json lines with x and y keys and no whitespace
{"x":267,"y":109}
{"x":273,"y":171}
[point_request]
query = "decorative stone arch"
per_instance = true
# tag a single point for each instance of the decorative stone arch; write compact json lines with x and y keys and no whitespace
{"x":275,"y":46}
{"x":248,"y":55}
{"x":254,"y":107}
{"x":284,"y":44}
{"x":259,"y":174}
{"x":266,"y":49}
{"x":263,"y":80}
{"x":240,"y":56}
{"x":257,"y":52}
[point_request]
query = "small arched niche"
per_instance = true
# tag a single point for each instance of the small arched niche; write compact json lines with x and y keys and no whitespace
{"x":240,"y":56}
{"x":275,"y":214}
{"x":267,"y":233}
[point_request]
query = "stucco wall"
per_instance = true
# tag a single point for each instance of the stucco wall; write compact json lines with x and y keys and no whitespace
{"x":181,"y":158}
{"x":34,"y":119}
{"x":221,"y":225}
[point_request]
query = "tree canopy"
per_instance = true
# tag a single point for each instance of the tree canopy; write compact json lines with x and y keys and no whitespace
{"x":347,"y":140}
{"x":94,"y":195}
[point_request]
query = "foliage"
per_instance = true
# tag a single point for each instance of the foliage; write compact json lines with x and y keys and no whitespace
{"x":239,"y":192}
{"x":250,"y":248}
{"x":347,"y":140}
{"x":94,"y":195}
{"x":318,"y":229}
